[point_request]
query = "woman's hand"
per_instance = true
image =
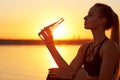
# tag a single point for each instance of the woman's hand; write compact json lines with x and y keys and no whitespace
{"x":60,"y":73}
{"x":46,"y":36}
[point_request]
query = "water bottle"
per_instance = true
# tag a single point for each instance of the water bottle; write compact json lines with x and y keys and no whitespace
{"x":53,"y":26}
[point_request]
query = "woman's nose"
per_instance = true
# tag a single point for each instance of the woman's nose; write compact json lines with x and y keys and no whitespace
{"x":85,"y":17}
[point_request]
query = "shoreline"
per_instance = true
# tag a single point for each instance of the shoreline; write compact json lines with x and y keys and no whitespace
{"x":40,"y":42}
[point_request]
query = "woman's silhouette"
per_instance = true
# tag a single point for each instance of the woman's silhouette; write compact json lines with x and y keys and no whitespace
{"x":100,"y":57}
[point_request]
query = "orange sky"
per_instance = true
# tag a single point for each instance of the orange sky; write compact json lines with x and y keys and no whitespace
{"x":23,"y":19}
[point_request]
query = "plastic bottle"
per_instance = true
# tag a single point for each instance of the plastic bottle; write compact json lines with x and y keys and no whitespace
{"x":53,"y":26}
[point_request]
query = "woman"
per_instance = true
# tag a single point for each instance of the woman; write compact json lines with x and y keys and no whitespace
{"x":100,"y":57}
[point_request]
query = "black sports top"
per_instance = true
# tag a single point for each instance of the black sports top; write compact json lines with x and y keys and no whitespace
{"x":93,"y":67}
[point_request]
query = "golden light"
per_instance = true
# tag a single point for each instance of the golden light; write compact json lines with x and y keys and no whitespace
{"x":59,"y":32}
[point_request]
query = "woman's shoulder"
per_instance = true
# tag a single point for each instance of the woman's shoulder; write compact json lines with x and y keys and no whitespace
{"x":110,"y":47}
{"x":110,"y":44}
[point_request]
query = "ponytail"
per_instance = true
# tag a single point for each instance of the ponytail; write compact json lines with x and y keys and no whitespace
{"x":115,"y":30}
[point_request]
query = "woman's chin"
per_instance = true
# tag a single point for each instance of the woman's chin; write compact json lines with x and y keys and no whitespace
{"x":86,"y":27}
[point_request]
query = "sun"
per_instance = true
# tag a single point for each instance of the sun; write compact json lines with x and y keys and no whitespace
{"x":59,"y":32}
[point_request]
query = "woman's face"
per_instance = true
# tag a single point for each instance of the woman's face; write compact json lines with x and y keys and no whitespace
{"x":93,"y":19}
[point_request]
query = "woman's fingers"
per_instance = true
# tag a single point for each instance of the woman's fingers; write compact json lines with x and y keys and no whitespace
{"x":48,"y":31}
{"x":42,"y":34}
{"x":46,"y":35}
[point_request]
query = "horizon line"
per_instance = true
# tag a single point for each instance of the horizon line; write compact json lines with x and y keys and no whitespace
{"x":40,"y":42}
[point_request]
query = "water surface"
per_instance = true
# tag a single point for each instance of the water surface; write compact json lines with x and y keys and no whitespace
{"x":30,"y":62}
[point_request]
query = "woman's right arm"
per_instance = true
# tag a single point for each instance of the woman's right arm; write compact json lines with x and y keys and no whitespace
{"x":48,"y":39}
{"x":57,"y":57}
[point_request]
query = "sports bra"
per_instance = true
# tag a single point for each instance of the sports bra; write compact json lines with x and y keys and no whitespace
{"x":93,"y":67}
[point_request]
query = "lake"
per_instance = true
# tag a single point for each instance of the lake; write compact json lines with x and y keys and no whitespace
{"x":30,"y":62}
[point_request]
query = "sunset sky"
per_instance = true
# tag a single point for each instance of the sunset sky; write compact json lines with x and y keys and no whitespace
{"x":23,"y":19}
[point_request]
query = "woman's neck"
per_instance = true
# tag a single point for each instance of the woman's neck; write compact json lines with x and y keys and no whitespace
{"x":98,"y":36}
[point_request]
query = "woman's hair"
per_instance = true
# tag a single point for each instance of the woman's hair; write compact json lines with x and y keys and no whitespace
{"x":112,"y":20}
